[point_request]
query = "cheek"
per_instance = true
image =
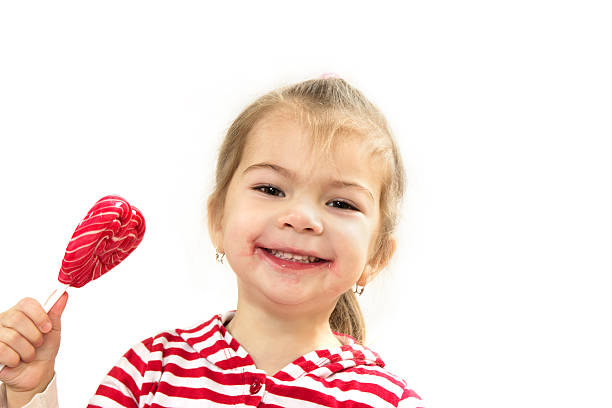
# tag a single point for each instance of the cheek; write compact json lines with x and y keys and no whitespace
{"x":241,"y":228}
{"x":352,"y":241}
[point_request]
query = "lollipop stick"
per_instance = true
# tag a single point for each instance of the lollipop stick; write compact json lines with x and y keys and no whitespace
{"x":55,"y":295}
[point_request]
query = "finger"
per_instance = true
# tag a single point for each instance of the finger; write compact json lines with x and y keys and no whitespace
{"x":18,"y":344}
{"x":36,"y":313}
{"x":56,"y":311}
{"x":8,"y":356}
{"x":19,"y":322}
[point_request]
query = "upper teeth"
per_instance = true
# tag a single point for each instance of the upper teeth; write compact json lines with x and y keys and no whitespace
{"x":294,"y":257}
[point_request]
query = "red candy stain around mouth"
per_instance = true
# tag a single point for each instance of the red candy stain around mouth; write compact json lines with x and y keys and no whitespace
{"x":285,"y":264}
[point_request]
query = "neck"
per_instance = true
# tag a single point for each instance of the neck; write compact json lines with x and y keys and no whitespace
{"x":273,"y":339}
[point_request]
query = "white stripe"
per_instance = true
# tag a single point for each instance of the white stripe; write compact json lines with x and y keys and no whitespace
{"x":352,"y":395}
{"x":126,"y":366}
{"x":411,"y":403}
{"x":167,"y":401}
{"x":341,"y":395}
{"x":218,"y":356}
{"x":287,"y":402}
{"x":204,"y":383}
{"x":200,"y":332}
{"x":104,"y":402}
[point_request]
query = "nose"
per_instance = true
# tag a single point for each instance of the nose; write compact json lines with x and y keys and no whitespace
{"x":301,"y":219}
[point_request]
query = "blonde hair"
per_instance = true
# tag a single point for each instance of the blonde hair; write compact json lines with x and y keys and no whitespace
{"x":331,"y":108}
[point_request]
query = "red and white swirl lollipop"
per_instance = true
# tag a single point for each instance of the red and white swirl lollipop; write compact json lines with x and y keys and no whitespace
{"x":110,"y":231}
{"x":107,"y":235}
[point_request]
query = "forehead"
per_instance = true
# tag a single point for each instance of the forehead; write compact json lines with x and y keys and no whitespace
{"x":280,"y":138}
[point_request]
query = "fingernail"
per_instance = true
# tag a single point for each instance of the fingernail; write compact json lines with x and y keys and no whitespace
{"x":46,"y":326}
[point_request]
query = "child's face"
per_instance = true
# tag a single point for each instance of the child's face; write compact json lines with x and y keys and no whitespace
{"x":309,"y":213}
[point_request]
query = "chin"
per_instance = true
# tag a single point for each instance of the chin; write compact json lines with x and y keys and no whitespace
{"x":285,"y":296}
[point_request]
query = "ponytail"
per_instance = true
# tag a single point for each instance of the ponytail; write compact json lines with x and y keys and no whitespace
{"x":347,"y":317}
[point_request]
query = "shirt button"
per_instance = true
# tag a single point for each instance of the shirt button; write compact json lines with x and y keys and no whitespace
{"x":255,"y":386}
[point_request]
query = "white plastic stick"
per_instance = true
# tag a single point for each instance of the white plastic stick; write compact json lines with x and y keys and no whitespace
{"x":51,"y":300}
{"x":55,"y":295}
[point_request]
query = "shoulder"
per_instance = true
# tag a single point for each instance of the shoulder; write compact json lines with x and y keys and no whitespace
{"x":139,"y":371}
{"x":167,"y":343}
{"x":377,"y":380}
{"x":371,"y":374}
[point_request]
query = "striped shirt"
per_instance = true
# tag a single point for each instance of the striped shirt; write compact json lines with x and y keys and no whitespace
{"x":204,"y":366}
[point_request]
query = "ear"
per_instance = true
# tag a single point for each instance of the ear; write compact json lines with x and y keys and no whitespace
{"x":379,"y":261}
{"x":215,"y":217}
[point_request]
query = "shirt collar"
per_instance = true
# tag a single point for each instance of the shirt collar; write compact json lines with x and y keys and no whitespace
{"x":215,"y":343}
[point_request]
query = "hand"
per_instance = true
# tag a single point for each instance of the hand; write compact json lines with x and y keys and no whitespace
{"x":29,"y":342}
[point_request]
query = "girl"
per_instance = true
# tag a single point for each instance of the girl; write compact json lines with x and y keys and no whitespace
{"x":306,"y":197}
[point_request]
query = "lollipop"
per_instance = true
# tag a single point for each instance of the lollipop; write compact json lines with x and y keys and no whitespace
{"x":110,"y":231}
{"x":107,"y":235}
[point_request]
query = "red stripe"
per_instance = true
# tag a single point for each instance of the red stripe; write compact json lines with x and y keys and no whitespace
{"x":176,"y":351}
{"x":371,"y":388}
{"x":305,"y":365}
{"x":116,"y":396}
{"x":235,"y":362}
{"x":382,"y":374}
{"x":148,"y":343}
{"x":283,"y":376}
{"x":125,"y":379}
{"x":170,"y":337}
{"x":149,"y":388}
{"x":409,"y":394}
{"x":203,"y":372}
{"x":307,"y":394}
{"x":136,"y":361}
{"x":198,"y":327}
{"x":198,"y":394}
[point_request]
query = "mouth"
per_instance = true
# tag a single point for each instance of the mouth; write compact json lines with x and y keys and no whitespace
{"x":285,"y":261}
{"x":293,"y":257}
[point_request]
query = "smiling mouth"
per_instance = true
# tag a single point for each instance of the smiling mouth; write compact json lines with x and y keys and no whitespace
{"x":286,"y":256}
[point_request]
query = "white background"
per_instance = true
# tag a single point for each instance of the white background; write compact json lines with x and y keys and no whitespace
{"x":499,"y":295}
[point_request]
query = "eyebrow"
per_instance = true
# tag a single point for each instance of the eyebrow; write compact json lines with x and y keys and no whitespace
{"x":292,"y":176}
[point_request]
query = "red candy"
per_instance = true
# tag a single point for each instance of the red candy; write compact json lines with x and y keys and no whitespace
{"x":110,"y":231}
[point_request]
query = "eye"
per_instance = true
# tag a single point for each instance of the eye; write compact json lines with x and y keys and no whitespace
{"x":270,"y":190}
{"x":343,"y":205}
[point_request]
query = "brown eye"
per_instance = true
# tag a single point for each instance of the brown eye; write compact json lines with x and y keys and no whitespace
{"x":343,"y":205}
{"x":270,"y":190}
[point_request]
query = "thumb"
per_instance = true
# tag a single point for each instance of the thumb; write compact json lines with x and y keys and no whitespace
{"x":56,"y":311}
